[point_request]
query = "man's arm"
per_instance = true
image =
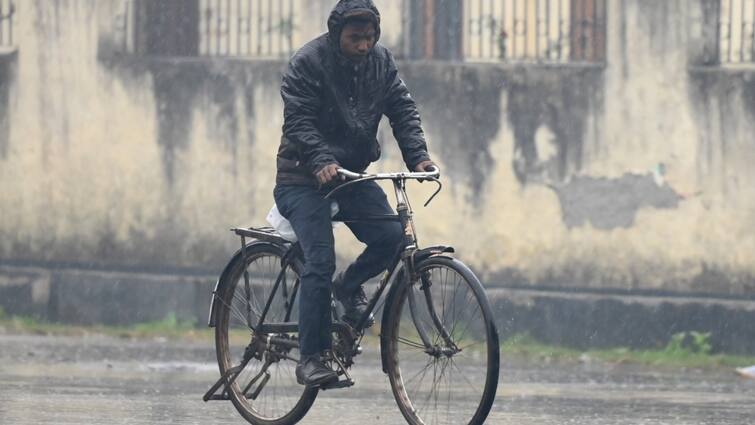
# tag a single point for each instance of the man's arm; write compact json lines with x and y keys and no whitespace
{"x":302,"y":101}
{"x":403,"y":114}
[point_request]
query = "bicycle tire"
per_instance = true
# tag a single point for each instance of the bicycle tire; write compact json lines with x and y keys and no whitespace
{"x":478,"y":340}
{"x":230,"y":321}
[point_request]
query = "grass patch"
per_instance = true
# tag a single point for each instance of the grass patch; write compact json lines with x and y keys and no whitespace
{"x":685,"y":350}
{"x":525,"y":345}
{"x":170,"y":327}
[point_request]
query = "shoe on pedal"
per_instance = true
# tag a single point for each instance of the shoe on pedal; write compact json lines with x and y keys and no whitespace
{"x":354,"y":304}
{"x":312,"y":371}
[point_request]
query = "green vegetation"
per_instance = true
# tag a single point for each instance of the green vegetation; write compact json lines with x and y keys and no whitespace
{"x":527,"y":346}
{"x":686,"y":349}
{"x":170,"y":327}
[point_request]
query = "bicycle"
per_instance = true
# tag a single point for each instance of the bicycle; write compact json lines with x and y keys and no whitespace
{"x":438,"y":341}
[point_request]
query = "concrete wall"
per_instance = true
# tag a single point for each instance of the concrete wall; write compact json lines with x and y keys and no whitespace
{"x":633,"y":176}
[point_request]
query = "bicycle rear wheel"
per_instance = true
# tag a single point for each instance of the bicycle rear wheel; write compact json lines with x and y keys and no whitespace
{"x":443,"y":352}
{"x":266,"y":391}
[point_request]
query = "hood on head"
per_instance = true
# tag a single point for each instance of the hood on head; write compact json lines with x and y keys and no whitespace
{"x":348,"y":8}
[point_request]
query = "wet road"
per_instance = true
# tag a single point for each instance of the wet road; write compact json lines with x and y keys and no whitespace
{"x":96,"y":380}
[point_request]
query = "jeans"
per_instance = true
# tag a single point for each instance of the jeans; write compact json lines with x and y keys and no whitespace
{"x":309,"y":214}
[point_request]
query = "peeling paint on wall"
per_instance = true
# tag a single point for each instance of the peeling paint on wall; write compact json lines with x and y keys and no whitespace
{"x":609,"y":203}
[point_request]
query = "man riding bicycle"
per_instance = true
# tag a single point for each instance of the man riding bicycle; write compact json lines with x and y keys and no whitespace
{"x":335,"y":91}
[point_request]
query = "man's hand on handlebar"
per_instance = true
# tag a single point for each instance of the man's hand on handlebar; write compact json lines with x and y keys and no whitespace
{"x":328,"y":173}
{"x":425,"y":167}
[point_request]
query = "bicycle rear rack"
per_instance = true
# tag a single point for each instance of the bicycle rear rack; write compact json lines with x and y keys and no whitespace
{"x":267,"y":234}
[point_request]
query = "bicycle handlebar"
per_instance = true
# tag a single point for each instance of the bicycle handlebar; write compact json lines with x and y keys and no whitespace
{"x":359,"y":177}
{"x":390,"y":176}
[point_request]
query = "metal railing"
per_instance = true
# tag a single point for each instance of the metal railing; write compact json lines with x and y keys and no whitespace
{"x":736,"y":31}
{"x":470,"y":30}
{"x":534,"y":30}
{"x":7,"y":17}
{"x":247,"y":27}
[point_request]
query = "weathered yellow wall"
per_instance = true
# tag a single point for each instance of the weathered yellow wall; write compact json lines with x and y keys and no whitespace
{"x":130,"y":161}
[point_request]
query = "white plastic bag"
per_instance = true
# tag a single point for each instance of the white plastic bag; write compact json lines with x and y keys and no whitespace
{"x":747,"y":372}
{"x":283,"y":226}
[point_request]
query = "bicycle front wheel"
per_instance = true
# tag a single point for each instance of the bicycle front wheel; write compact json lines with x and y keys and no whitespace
{"x":443,"y":352}
{"x":265,"y":391}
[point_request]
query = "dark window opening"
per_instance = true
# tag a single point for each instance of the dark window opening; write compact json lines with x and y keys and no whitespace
{"x":7,"y":17}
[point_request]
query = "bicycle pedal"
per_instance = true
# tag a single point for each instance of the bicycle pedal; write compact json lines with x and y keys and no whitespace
{"x":338,"y":384}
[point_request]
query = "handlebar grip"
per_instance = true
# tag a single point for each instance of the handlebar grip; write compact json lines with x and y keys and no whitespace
{"x":350,"y":174}
{"x":434,"y":170}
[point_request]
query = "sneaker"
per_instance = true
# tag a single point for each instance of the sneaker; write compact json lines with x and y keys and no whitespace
{"x":354,"y":305}
{"x":312,"y":371}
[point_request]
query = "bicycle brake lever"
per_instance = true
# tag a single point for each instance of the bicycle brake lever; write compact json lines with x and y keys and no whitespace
{"x":440,"y":186}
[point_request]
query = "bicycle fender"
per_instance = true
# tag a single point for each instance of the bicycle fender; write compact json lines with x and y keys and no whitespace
{"x":401,"y":280}
{"x":226,"y":270}
{"x":432,"y":251}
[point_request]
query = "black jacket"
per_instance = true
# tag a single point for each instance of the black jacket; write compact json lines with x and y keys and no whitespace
{"x":332,"y":107}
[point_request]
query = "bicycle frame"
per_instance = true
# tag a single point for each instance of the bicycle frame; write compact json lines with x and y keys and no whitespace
{"x":266,"y":335}
{"x":404,"y":260}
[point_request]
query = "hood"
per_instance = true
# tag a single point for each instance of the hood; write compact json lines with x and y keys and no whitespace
{"x":346,"y":8}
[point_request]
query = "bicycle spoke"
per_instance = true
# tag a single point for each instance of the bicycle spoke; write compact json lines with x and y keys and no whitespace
{"x":469,"y":323}
{"x":466,"y":347}
{"x":448,"y":402}
{"x":432,"y":388}
{"x":239,"y":297}
{"x":433,"y":395}
{"x":236,"y":312}
{"x":422,"y":372}
{"x":471,"y":385}
{"x":411,"y":343}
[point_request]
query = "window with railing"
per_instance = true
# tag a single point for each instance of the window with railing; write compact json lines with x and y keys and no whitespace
{"x":7,"y":17}
{"x":534,"y":30}
{"x":247,"y":28}
{"x":468,"y":30}
{"x":736,"y":32}
{"x":227,"y":28}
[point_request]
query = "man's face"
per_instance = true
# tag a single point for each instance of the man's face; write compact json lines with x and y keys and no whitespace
{"x":357,"y":38}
